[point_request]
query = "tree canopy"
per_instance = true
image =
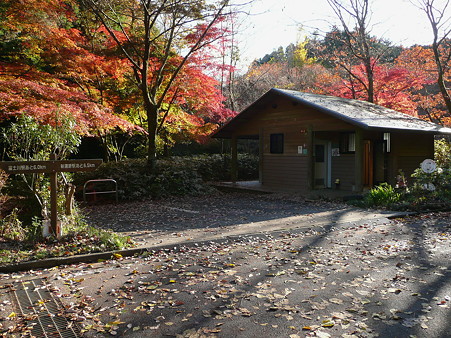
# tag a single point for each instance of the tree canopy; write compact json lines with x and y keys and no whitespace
{"x":130,"y":66}
{"x":151,"y":67}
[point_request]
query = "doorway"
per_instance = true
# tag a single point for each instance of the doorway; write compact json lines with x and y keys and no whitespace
{"x":380,"y":162}
{"x":367,"y":163}
{"x":323,"y":161}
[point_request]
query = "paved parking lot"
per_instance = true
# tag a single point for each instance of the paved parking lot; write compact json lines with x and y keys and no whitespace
{"x":267,"y":266}
{"x":220,"y":215}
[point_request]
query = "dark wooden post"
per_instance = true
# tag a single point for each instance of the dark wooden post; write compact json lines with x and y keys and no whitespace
{"x":358,"y":165}
{"x":261,"y":149}
{"x":51,"y":167}
{"x":234,"y":160}
{"x":310,"y":163}
{"x":53,"y":200}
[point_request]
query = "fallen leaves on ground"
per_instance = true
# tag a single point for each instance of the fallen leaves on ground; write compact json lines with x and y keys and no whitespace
{"x":358,"y":279}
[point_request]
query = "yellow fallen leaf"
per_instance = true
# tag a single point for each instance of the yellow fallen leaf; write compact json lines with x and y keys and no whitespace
{"x":327,"y":323}
{"x":12,"y":315}
{"x":117,"y":255}
{"x":87,"y":328}
{"x":114,"y":323}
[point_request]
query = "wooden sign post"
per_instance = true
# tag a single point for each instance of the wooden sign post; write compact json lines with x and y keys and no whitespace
{"x":51,"y":167}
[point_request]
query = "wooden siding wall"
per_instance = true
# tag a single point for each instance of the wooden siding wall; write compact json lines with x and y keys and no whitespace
{"x":289,"y":171}
{"x":285,"y":172}
{"x":408,"y":150}
{"x":283,"y":113}
{"x":343,"y":169}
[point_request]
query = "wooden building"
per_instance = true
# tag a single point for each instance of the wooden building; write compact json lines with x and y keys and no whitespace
{"x":309,"y":141}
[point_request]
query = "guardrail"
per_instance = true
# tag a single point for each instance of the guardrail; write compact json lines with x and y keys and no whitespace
{"x":100,"y":192}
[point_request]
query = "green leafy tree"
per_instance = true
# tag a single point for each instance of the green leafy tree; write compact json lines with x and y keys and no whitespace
{"x":442,"y":153}
{"x":26,"y":140}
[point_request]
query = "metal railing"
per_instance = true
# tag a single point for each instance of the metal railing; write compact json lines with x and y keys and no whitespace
{"x":100,"y":192}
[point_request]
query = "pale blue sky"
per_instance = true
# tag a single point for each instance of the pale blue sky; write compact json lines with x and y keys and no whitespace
{"x":275,"y":23}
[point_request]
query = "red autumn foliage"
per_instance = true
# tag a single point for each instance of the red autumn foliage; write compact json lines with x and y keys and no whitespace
{"x":36,"y":94}
{"x":393,"y":87}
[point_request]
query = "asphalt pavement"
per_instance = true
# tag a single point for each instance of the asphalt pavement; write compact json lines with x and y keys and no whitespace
{"x":325,"y":270}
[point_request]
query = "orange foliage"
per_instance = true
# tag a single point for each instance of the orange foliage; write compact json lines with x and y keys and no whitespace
{"x":420,"y":62}
{"x":53,"y":72}
{"x":41,"y":96}
{"x":393,"y":87}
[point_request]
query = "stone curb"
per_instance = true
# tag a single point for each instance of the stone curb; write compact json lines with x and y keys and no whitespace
{"x":95,"y":257}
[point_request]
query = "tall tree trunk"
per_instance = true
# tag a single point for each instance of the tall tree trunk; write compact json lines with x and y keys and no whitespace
{"x":152,"y":122}
{"x":441,"y":78}
{"x":439,"y":20}
{"x":370,"y":78}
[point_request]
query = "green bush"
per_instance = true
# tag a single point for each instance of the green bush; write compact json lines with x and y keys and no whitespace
{"x":11,"y":227}
{"x":216,"y":167}
{"x":173,"y":176}
{"x":442,"y":153}
{"x":431,"y":191}
{"x":440,"y":179}
{"x":134,"y":181}
{"x":383,"y":195}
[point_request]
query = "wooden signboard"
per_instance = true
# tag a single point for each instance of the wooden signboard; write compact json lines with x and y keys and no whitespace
{"x":51,"y":167}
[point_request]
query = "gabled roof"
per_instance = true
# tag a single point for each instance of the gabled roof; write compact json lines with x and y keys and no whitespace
{"x":362,"y":114}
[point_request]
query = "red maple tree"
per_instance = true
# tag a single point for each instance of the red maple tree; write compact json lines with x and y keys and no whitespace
{"x":394,"y":86}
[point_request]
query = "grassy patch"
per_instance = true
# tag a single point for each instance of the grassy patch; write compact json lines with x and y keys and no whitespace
{"x":77,"y":241}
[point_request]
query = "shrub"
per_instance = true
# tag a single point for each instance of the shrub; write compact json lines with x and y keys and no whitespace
{"x":11,"y":227}
{"x":442,"y":153}
{"x":135,"y":182}
{"x":173,"y":176}
{"x":26,"y":139}
{"x":216,"y":167}
{"x":3,"y":178}
{"x":440,"y":179}
{"x":382,"y":196}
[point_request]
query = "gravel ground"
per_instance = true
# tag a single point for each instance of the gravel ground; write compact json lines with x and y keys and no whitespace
{"x":207,"y":211}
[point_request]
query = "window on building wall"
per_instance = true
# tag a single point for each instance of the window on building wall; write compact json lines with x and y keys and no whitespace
{"x":347,"y":143}
{"x":276,"y":144}
{"x":387,"y":142}
{"x":319,"y":153}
